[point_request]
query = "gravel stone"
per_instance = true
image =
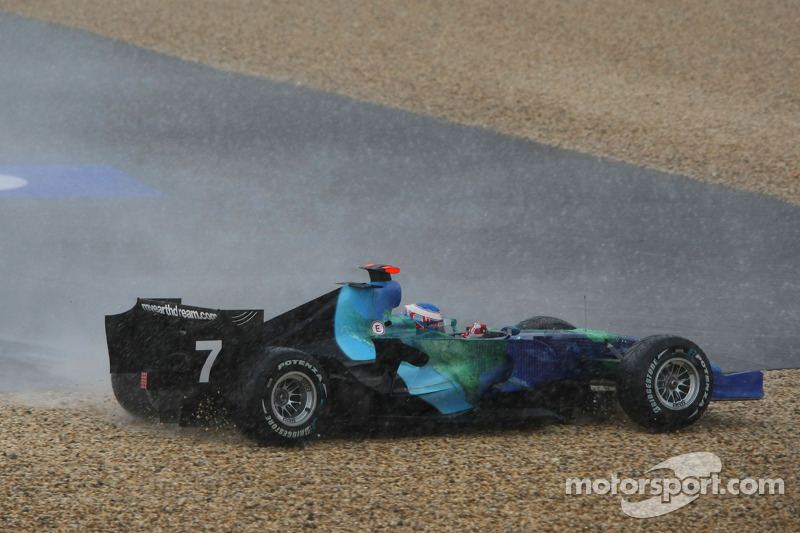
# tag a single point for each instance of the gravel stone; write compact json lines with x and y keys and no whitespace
{"x":78,"y":462}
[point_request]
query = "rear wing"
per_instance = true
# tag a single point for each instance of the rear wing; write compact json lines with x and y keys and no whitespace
{"x":163,"y":333}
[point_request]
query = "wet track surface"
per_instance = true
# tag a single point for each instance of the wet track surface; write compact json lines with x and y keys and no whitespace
{"x":124,"y":173}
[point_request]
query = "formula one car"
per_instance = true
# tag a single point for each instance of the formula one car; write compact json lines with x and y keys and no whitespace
{"x":346,"y":355}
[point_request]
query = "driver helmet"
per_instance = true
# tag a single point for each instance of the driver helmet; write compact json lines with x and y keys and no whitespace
{"x":427,"y":316}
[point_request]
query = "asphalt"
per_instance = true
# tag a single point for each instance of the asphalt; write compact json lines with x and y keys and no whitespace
{"x":125,"y":173}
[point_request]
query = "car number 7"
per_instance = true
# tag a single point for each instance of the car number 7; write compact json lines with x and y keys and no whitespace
{"x":214,"y":346}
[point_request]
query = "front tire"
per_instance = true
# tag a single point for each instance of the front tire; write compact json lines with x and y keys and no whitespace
{"x":545,"y":323}
{"x":283,"y":397}
{"x":664,"y":383}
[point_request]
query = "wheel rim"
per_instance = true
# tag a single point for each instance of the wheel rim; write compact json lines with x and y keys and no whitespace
{"x":677,"y":384}
{"x":293,"y":399}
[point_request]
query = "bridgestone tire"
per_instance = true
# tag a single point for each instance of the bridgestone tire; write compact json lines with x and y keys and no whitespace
{"x":283,"y":397}
{"x":546,"y":323}
{"x":127,"y":389}
{"x":664,"y":383}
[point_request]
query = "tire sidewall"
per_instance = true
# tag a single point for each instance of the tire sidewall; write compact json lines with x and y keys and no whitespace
{"x":639,"y":369}
{"x":128,"y":392}
{"x":256,"y":415}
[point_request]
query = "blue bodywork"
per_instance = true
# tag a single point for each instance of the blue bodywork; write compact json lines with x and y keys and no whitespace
{"x":459,"y":373}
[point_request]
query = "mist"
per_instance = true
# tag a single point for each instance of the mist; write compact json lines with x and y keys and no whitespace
{"x":269,"y":194}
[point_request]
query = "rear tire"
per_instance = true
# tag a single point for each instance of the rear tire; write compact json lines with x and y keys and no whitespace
{"x":282,"y":397}
{"x":546,"y":323}
{"x":664,"y":382}
{"x":127,"y":389}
